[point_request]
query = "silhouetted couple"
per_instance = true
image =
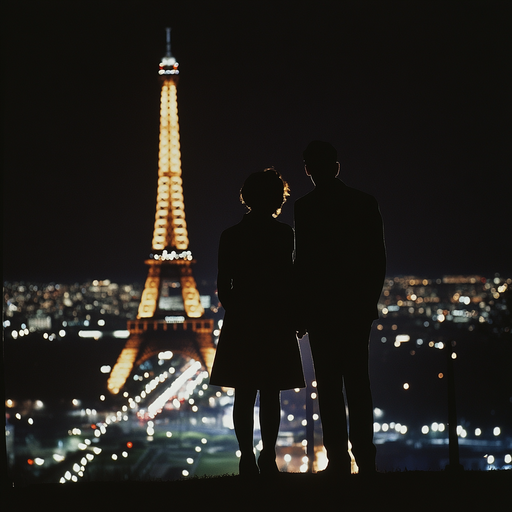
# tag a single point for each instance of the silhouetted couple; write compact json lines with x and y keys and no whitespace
{"x":331,"y":291}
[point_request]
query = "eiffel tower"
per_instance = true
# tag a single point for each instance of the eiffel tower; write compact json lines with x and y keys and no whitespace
{"x":170,"y":315}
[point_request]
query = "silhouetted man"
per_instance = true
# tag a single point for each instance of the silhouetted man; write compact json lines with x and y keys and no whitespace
{"x":340,"y":268}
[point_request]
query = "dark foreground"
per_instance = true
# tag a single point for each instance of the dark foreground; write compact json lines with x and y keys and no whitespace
{"x":409,"y":490}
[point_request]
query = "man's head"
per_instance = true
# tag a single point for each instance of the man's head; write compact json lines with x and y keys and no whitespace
{"x":321,"y":161}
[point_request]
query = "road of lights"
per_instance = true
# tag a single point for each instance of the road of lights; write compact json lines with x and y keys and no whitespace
{"x":183,"y":387}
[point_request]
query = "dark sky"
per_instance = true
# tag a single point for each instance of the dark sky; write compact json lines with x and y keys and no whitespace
{"x":414,"y":95}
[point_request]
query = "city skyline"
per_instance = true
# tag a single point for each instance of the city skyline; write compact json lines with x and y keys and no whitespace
{"x":413,"y":97}
{"x":419,"y":318}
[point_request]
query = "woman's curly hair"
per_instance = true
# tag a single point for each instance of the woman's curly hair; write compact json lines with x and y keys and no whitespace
{"x":265,"y":191}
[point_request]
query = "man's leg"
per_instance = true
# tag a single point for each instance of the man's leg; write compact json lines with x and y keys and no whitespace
{"x":359,"y":398}
{"x":330,"y":399}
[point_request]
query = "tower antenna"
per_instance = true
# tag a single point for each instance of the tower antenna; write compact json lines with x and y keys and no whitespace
{"x":168,"y":53}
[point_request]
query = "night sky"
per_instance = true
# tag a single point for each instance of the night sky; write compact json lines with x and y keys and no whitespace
{"x":414,"y":95}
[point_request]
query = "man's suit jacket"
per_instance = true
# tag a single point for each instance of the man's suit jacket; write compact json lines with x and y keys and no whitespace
{"x":340,"y":257}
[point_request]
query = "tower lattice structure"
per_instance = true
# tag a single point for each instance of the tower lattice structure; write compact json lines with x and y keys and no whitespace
{"x":170,"y":315}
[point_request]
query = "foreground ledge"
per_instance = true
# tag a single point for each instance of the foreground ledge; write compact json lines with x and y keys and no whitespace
{"x":404,"y":490}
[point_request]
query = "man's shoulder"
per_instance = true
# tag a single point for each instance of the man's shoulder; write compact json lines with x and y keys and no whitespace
{"x":359,"y":195}
{"x":337,"y":190}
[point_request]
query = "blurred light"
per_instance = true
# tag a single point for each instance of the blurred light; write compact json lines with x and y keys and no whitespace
{"x":490,"y":459}
{"x":90,"y":334}
{"x":508,"y":458}
{"x":424,"y":429}
{"x":496,"y":431}
{"x":121,"y":334}
{"x":461,"y":431}
{"x":406,"y":385}
{"x":105,"y":368}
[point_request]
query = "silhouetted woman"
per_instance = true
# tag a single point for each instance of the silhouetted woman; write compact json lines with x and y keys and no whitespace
{"x":258,"y":348}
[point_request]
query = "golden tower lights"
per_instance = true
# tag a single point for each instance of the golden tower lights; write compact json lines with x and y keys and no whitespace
{"x":170,"y":296}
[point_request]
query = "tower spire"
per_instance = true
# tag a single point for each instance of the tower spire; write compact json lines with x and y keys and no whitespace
{"x":168,"y":64}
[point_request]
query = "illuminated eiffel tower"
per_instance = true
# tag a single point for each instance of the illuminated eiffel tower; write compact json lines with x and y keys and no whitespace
{"x":170,"y":315}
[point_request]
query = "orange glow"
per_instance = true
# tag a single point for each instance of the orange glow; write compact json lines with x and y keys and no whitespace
{"x":170,"y":225}
{"x":129,"y":444}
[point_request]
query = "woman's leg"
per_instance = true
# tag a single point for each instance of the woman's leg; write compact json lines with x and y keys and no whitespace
{"x":270,"y":418}
{"x":243,"y":419}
